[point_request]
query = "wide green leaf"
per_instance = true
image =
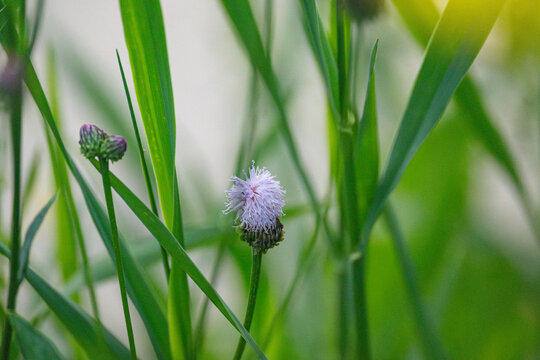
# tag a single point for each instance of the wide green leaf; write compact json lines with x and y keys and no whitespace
{"x":177,"y":252}
{"x":33,"y":344}
{"x":138,"y":286}
{"x":83,"y":328}
{"x":458,"y":37}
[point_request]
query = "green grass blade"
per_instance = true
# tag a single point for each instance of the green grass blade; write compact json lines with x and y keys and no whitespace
{"x":432,"y":343}
{"x":366,"y":152}
{"x":177,"y":252}
{"x":321,"y":48}
{"x":459,"y":36}
{"x":83,"y":328}
{"x":145,"y":39}
{"x":421,"y":16}
{"x":33,"y":344}
{"x":29,"y":237}
{"x":139,"y":289}
{"x":30,"y":183}
{"x":146,"y":173}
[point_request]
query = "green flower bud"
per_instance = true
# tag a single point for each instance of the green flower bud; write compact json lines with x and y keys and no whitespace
{"x":91,"y":138}
{"x":113,"y":147}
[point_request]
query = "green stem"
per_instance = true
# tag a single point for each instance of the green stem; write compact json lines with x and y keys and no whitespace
{"x":16,"y":135}
{"x":253,"y":286}
{"x":117,"y":255}
{"x":433,"y":346}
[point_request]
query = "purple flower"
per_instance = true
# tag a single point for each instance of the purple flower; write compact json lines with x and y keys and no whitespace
{"x":91,"y":138}
{"x":113,"y":147}
{"x":257,"y":200}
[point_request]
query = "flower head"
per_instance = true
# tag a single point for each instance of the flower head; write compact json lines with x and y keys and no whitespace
{"x":91,"y":138}
{"x":258,"y":202}
{"x":113,"y":147}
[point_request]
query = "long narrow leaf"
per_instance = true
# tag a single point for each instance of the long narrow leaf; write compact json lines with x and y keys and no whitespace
{"x":459,"y":36}
{"x":29,"y":238}
{"x":33,"y":344}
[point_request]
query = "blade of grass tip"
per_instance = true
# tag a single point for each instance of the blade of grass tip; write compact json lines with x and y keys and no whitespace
{"x":138,"y":287}
{"x":147,"y":180}
{"x":162,"y":234}
{"x":30,"y":183}
{"x":33,"y":344}
{"x":420,"y":17}
{"x":15,"y":107}
{"x":432,"y":343}
{"x":457,"y":39}
{"x":29,"y":238}
{"x":75,"y":319}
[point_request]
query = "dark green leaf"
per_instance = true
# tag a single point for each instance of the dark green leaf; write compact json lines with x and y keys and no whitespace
{"x":33,"y":344}
{"x":29,"y":238}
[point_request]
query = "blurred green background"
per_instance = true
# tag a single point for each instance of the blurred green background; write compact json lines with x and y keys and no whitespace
{"x":475,"y":254}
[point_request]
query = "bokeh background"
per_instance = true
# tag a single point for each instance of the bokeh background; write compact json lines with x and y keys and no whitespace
{"x":475,"y":253}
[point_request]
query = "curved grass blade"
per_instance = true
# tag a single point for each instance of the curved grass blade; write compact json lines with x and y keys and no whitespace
{"x":30,"y":183}
{"x":33,"y":344}
{"x":83,"y":328}
{"x":139,"y":289}
{"x":459,"y":36}
{"x":177,"y":252}
{"x":29,"y":238}
{"x":421,"y":16}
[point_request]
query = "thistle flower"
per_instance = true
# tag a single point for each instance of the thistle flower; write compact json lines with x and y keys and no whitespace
{"x":258,"y":202}
{"x":113,"y":147}
{"x":91,"y":138}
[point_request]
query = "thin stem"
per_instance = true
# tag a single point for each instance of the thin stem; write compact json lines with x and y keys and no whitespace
{"x":16,"y":139}
{"x":117,"y":255}
{"x":433,"y":346}
{"x":253,"y":286}
{"x":146,"y":173}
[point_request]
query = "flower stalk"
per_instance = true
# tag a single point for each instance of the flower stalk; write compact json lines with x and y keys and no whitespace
{"x":95,"y":143}
{"x":252,"y":297}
